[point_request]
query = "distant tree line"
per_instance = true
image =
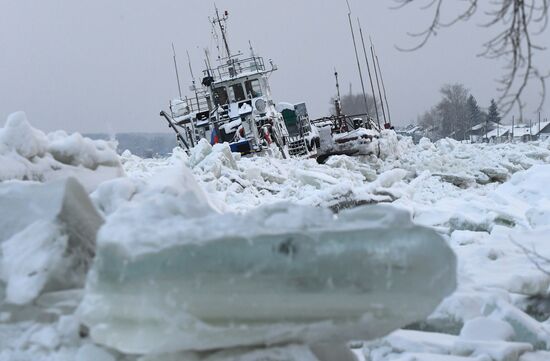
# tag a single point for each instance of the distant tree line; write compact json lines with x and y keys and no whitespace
{"x":456,"y":113}
{"x":354,"y":104}
{"x":515,"y":25}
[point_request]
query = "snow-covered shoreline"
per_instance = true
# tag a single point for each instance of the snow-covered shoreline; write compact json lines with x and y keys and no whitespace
{"x":490,"y":202}
{"x":29,"y":154}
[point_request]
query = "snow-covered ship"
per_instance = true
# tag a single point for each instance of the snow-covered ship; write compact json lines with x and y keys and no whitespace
{"x":233,"y":104}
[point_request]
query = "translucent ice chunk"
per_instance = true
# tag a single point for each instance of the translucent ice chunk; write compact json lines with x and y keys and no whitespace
{"x":278,"y":274}
{"x":47,"y":237}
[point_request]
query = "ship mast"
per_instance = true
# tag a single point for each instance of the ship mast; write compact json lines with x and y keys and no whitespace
{"x":383,"y":88}
{"x":177,"y":73}
{"x":370,"y":74}
{"x":221,"y":23}
{"x":378,"y":81}
{"x":357,"y":58}
{"x":338,"y":101}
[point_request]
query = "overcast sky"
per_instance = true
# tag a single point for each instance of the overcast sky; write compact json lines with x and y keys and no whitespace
{"x":105,"y":65}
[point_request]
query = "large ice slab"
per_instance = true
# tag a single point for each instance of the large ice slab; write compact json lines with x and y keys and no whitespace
{"x":47,"y":237}
{"x":198,"y":280}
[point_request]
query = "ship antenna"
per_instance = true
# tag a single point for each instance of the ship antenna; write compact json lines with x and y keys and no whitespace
{"x":176,"y":66}
{"x":190,"y":67}
{"x":221,"y":22}
{"x":370,"y":74}
{"x":194,"y":83}
{"x":337,"y":83}
{"x":338,"y":102}
{"x":207,"y":61}
{"x":215,"y":36}
{"x":251,"y":49}
{"x":377,"y":81}
{"x":357,"y":58}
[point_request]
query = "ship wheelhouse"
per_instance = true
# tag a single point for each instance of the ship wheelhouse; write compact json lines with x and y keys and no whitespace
{"x":243,"y":111}
{"x":240,"y":82}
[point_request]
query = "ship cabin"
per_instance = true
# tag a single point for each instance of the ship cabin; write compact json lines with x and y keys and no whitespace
{"x":240,"y":95}
{"x":239,"y":82}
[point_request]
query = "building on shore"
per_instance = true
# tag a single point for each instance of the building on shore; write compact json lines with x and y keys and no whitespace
{"x":500,"y":133}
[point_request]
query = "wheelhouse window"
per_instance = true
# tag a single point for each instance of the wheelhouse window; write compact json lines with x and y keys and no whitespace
{"x":236,"y":93}
{"x":253,"y":88}
{"x":220,"y":96}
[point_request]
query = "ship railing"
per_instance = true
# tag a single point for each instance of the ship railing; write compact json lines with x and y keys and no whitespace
{"x":199,"y":102}
{"x":234,"y":67}
{"x":346,"y":123}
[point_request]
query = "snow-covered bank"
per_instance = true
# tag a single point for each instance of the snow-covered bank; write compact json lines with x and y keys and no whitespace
{"x":422,"y":173}
{"x":489,"y":202}
{"x":27,"y":153}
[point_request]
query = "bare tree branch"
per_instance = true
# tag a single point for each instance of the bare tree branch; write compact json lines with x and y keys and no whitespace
{"x":540,"y":262}
{"x":521,"y":20}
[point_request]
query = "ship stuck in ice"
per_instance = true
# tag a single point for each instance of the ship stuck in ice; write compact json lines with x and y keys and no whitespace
{"x":233,"y":104}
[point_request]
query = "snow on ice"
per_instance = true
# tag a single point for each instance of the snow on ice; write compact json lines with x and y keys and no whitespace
{"x":490,"y":203}
{"x":27,"y":153}
{"x":47,"y":237}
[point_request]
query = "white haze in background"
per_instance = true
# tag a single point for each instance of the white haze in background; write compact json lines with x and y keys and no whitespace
{"x":102,"y":65}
